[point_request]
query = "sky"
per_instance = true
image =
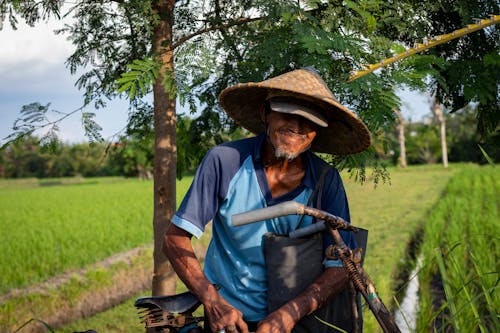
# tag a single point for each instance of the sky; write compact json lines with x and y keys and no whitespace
{"x":32,"y":69}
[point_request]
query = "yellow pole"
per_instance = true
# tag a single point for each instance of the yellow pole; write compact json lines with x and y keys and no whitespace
{"x":494,"y":19}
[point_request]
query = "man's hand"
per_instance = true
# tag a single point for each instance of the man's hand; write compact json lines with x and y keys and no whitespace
{"x":223,"y":317}
{"x":279,"y":321}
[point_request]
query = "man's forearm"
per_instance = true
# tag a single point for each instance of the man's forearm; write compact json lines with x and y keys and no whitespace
{"x":178,"y":249}
{"x":331,"y":282}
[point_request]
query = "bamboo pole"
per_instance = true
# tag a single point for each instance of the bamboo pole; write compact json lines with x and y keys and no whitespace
{"x":494,"y":19}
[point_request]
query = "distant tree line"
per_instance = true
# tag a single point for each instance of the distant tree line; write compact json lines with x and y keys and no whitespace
{"x":463,"y":138}
{"x":132,"y":155}
{"x":423,"y":144}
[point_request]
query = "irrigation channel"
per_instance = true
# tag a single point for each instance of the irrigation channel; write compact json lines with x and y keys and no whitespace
{"x":406,"y":314}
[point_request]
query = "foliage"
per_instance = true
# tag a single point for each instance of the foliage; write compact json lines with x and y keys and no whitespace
{"x":465,"y":141}
{"x":193,"y":143}
{"x":31,"y":157}
{"x":423,"y":141}
{"x":423,"y":145}
{"x":333,"y":38}
{"x":30,"y":11}
{"x":139,"y":79}
{"x":133,"y":153}
{"x":219,"y":44}
{"x":461,"y":256}
{"x":472,"y":69}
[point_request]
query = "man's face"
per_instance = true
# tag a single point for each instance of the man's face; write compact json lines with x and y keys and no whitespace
{"x":290,"y":135}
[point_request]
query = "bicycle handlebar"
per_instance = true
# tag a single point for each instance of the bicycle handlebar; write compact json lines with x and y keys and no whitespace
{"x":271,"y":212}
{"x":293,"y":208}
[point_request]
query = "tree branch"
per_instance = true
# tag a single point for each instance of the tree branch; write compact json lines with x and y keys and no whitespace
{"x":223,"y":32}
{"x":218,"y":26}
{"x":238,"y":21}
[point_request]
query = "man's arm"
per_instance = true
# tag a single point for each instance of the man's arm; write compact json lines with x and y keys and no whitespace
{"x":178,"y":249}
{"x":332,"y":281}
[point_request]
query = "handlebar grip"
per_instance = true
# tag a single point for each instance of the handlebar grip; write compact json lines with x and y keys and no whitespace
{"x":282,"y":209}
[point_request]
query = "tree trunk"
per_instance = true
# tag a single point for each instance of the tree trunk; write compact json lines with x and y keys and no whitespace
{"x":442,"y":122}
{"x":165,"y":150}
{"x":401,"y":138}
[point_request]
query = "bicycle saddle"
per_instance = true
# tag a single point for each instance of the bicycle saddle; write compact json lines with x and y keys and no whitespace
{"x":180,"y":303}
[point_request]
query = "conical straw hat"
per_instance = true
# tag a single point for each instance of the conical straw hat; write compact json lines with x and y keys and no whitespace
{"x":346,"y":134}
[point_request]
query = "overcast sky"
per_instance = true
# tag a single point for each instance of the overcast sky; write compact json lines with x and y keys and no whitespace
{"x":32,"y":69}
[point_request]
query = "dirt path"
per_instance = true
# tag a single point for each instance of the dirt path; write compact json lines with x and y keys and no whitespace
{"x":128,"y":273}
{"x":57,"y":281}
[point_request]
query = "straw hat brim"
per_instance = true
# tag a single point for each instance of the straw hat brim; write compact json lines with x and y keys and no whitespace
{"x":345,"y":134}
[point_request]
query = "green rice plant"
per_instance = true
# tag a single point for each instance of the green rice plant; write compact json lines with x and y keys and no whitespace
{"x":48,"y":230}
{"x":461,"y":249}
{"x":393,"y":212}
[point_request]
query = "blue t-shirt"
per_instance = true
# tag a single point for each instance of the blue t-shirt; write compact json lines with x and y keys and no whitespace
{"x":231,"y":180}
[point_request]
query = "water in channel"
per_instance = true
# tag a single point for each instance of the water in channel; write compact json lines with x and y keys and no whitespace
{"x":406,"y":315}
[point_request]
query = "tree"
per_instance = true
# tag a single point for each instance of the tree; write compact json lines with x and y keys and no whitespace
{"x":401,"y":138}
{"x":217,"y":43}
{"x":471,"y":73}
{"x":438,"y":113}
{"x":465,"y":143}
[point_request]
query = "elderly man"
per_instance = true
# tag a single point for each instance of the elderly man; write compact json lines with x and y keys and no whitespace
{"x":292,"y":115}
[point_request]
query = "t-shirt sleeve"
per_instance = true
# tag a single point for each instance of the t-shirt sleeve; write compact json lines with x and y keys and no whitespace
{"x":201,"y":201}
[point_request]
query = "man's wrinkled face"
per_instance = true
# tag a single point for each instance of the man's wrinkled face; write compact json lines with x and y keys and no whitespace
{"x":290,"y":135}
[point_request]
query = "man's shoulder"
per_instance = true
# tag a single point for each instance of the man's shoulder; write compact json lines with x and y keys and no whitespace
{"x":227,"y":158}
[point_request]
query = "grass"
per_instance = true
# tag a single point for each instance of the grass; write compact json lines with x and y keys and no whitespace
{"x":47,"y":230}
{"x":461,"y":248}
{"x":122,"y":318}
{"x":392,"y":213}
{"x":72,"y":298}
{"x":40,"y":239}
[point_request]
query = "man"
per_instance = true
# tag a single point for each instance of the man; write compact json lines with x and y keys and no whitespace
{"x":292,"y":114}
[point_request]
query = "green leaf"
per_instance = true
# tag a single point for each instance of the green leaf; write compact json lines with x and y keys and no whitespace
{"x":125,"y":86}
{"x":486,"y":156}
{"x":140,"y":78}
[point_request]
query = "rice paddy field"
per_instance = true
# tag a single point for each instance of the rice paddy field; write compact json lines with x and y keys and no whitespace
{"x":55,"y":226}
{"x":461,"y":250}
{"x":47,"y":230}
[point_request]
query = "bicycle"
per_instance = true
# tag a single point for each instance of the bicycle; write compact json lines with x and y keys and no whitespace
{"x":170,"y":313}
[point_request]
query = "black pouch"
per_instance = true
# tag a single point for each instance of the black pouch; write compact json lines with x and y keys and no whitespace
{"x":292,"y":265}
